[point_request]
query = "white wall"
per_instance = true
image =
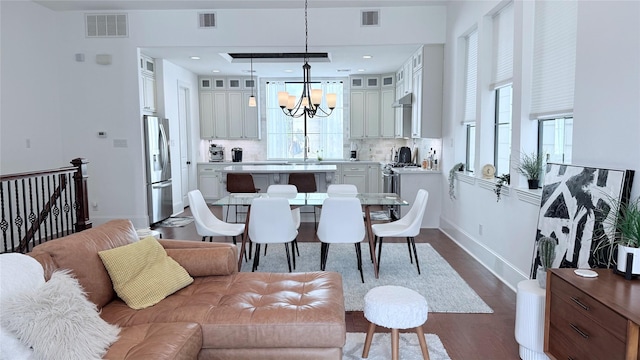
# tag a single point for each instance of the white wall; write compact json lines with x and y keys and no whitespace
{"x":606,"y":125}
{"x":81,"y":98}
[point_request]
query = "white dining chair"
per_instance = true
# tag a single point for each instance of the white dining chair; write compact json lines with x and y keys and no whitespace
{"x":271,"y":223}
{"x":341,"y":222}
{"x":287,"y":192}
{"x":342,"y":189}
{"x":207,"y":224}
{"x":408,"y":226}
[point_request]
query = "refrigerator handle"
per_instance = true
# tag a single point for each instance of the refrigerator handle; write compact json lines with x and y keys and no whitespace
{"x":165,"y":147}
{"x":160,"y":186}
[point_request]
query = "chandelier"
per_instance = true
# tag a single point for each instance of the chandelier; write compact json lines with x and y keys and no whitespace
{"x":308,"y":104}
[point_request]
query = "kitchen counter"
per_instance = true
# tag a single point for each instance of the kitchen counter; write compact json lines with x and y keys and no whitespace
{"x":414,"y":170}
{"x":285,"y":162}
{"x":278,"y":169}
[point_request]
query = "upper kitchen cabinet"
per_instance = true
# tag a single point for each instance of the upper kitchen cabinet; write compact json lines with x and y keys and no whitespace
{"x":372,"y":115}
{"x":148,"y":81}
{"x":225,"y":114}
{"x":426,"y":108}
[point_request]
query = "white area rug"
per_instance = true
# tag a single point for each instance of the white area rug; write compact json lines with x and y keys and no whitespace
{"x":381,"y":347}
{"x":439,"y":283}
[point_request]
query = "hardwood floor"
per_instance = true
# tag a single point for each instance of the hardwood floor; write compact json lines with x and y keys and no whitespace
{"x":465,"y":336}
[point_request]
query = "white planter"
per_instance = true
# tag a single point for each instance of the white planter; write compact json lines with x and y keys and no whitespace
{"x":541,"y":276}
{"x":622,"y":259}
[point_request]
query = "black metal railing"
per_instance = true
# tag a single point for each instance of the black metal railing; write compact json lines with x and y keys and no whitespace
{"x":43,"y":205}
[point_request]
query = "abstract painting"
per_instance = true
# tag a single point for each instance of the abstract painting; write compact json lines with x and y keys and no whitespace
{"x":575,"y":202}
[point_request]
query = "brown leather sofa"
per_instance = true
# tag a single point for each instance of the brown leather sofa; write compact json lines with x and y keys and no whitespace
{"x":223,"y":314}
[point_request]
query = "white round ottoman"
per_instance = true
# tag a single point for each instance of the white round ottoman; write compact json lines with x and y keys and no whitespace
{"x":395,"y":307}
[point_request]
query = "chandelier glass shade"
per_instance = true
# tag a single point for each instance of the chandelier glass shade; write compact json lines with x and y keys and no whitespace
{"x":308,"y":104}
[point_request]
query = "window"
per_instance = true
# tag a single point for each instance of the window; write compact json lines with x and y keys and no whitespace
{"x":471,"y":147}
{"x":502,"y":77}
{"x":502,"y":153}
{"x":471,"y":80}
{"x":285,"y":135}
{"x":556,"y":139}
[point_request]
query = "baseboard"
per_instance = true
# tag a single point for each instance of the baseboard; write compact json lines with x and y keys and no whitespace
{"x":496,"y":264}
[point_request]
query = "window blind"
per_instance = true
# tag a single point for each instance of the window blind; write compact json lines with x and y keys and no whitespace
{"x":502,"y":47}
{"x":471,"y":77}
{"x":554,"y":58}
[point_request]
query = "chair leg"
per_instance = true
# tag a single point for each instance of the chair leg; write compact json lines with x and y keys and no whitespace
{"x":256,"y":257}
{"x":415,"y":253}
{"x":295,"y":241}
{"x":265,"y":249}
{"x":203,"y":238}
{"x":367,"y":341}
{"x":293,"y":254}
{"x":226,"y":218}
{"x":359,"y":255}
{"x":395,"y":344}
{"x":379,"y":251}
{"x":235,"y":242}
{"x":423,"y":343}
{"x":324,"y":250}
{"x":286,"y":248}
{"x":375,"y":241}
{"x":409,"y":248}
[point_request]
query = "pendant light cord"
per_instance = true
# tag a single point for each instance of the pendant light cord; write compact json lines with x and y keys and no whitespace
{"x":306,"y":33}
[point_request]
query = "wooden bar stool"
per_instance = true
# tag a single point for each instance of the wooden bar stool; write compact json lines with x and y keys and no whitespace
{"x":395,"y":307}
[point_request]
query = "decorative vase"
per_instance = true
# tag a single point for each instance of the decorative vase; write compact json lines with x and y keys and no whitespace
{"x":533,"y":183}
{"x":622,"y":259}
{"x":541,"y":276}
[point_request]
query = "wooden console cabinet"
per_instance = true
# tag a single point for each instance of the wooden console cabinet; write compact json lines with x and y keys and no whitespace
{"x":591,"y":318}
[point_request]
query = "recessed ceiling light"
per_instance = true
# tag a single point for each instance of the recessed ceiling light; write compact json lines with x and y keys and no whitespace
{"x":361,"y":70}
{"x":215,"y":71}
{"x":367,"y":56}
{"x":195,"y":58}
{"x":288,"y":71}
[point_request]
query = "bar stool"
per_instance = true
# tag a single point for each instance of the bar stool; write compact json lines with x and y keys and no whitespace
{"x":239,"y":183}
{"x":305,"y":183}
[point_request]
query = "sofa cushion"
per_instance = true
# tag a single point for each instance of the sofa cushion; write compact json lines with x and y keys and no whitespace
{"x":157,"y":341}
{"x":58,"y":321}
{"x":252,"y":310}
{"x":198,"y":262}
{"x":142,"y":273}
{"x":79,"y":253}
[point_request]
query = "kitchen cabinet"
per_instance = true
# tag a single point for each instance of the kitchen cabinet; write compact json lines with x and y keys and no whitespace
{"x":355,"y":174}
{"x":226,"y":114}
{"x":387,"y":113}
{"x":210,"y":181}
{"x":426,"y":108}
{"x":374,"y":178}
{"x":591,"y":318}
{"x":148,"y":81}
{"x":365,"y":114}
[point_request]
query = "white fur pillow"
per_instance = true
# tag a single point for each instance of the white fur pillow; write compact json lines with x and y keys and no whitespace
{"x":58,"y":321}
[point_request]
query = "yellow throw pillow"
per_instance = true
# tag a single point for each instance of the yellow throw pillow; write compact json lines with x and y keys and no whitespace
{"x":142,"y":274}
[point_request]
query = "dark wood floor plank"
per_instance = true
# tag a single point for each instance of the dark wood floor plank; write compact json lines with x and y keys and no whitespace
{"x":465,"y":336}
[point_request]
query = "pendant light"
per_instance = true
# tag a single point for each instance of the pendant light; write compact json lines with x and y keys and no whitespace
{"x":252,"y":98}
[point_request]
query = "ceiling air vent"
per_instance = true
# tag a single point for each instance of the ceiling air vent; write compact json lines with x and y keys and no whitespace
{"x":106,"y":25}
{"x":207,"y":20}
{"x":370,"y":18}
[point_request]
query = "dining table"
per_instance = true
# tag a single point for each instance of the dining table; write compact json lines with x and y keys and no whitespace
{"x":367,"y":200}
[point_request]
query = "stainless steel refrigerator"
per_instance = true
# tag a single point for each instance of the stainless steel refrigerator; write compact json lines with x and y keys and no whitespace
{"x":158,"y":163}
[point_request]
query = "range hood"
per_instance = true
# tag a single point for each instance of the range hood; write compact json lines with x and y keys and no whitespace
{"x":404,"y":101}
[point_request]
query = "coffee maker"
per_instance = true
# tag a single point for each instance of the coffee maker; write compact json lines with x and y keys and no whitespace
{"x":216,"y":153}
{"x":236,"y":154}
{"x":353,"y":154}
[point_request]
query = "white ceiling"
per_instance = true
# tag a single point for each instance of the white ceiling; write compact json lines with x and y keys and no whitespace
{"x":345,"y":60}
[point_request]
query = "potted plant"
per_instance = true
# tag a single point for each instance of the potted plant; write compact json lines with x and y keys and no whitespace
{"x":547,"y":253}
{"x":530,"y":165}
{"x":452,"y":177}
{"x":624,"y":219}
{"x":502,"y":179}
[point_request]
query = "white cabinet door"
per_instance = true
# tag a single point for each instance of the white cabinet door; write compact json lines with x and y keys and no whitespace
{"x":357,"y":114}
{"x":220,"y":119}
{"x":355,"y":174}
{"x":206,"y":115}
{"x":387,"y":113}
{"x":148,"y":93}
{"x":427,"y":102}
{"x":416,"y":106}
{"x":235,"y":114}
{"x":374,"y":179}
{"x":372,"y":113}
{"x":209,"y":182}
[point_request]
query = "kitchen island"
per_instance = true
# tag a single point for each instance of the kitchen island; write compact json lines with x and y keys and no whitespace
{"x":265,"y":175}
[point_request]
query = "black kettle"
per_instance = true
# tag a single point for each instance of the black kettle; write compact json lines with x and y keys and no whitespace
{"x":236,"y":154}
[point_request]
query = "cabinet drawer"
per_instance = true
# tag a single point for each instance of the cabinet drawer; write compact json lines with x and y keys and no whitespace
{"x":588,"y":307}
{"x":578,"y":336}
{"x":351,"y":169}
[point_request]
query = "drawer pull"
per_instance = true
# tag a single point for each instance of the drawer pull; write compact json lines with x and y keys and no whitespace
{"x":577,"y":329}
{"x":575,"y":300}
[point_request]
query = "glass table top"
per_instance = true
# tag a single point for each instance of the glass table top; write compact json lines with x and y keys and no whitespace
{"x":315,"y":199}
